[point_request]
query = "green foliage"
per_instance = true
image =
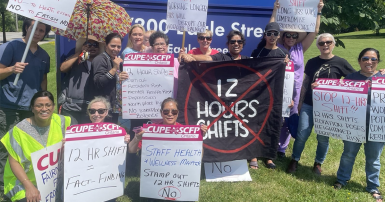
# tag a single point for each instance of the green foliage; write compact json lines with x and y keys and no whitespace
{"x":341,"y":16}
{"x":9,"y":18}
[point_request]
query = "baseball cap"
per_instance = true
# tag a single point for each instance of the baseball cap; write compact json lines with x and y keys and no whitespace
{"x":272,"y":26}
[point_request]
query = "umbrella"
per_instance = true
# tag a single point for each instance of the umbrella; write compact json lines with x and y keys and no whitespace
{"x":98,"y":18}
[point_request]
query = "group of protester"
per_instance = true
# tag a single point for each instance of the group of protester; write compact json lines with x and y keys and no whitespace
{"x":92,"y":93}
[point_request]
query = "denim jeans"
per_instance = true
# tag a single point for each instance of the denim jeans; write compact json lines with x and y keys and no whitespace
{"x":305,"y":126}
{"x":373,"y":152}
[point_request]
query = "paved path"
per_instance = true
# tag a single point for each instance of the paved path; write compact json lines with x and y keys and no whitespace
{"x":15,"y":35}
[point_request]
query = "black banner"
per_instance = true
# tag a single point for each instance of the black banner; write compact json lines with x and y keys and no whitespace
{"x":240,"y":101}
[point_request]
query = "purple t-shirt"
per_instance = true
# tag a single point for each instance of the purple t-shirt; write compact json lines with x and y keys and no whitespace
{"x":296,"y":54}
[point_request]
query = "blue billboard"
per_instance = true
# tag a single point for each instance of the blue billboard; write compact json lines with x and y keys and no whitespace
{"x":250,"y":17}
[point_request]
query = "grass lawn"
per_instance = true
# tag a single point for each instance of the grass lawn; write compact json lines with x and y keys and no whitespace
{"x":50,"y":48}
{"x":277,"y":185}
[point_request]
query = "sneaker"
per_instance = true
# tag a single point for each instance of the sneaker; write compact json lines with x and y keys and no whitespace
{"x":317,"y":168}
{"x":292,"y":166}
{"x":281,"y":155}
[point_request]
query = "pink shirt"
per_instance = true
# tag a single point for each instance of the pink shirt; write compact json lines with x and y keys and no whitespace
{"x":197,"y":51}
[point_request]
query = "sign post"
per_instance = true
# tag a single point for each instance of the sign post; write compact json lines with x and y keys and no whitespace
{"x":151,"y":81}
{"x":55,"y":13}
{"x":377,"y":111}
{"x":26,"y":49}
{"x":171,"y":162}
{"x":188,"y":16}
{"x":288,"y":89}
{"x":48,"y":168}
{"x":339,"y":109}
{"x":298,"y":16}
{"x":94,"y":162}
{"x":230,"y":171}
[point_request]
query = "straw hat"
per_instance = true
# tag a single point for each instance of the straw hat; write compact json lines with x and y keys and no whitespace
{"x":301,"y":36}
{"x":80,"y":42}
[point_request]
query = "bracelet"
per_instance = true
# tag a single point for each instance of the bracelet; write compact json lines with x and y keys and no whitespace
{"x":25,"y":180}
{"x":319,"y":13}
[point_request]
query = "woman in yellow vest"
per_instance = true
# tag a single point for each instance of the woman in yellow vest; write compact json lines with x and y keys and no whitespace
{"x":32,"y":134}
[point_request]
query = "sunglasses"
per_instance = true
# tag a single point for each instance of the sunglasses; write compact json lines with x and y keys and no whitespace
{"x":294,"y":36}
{"x":322,"y":43}
{"x":96,"y":45}
{"x":272,"y":33}
{"x":202,"y":38}
{"x":100,"y":111}
{"x":236,"y":41}
{"x":173,"y":111}
{"x":365,"y":58}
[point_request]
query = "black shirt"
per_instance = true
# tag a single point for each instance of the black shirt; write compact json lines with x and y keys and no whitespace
{"x":264,"y":52}
{"x":333,"y":68}
{"x":104,"y":82}
{"x":225,"y":57}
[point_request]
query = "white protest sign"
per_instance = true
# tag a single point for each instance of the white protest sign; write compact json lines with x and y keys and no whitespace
{"x":297,"y":15}
{"x":377,"y":111}
{"x":188,"y":16}
{"x":151,"y":80}
{"x":171,"y":162}
{"x":288,"y":89}
{"x":339,"y":109}
{"x":94,"y":162}
{"x":47,"y":166}
{"x":230,"y":171}
{"x":56,"y":13}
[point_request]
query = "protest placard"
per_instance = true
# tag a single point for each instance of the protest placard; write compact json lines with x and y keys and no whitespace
{"x":241,"y":103}
{"x":230,"y":171}
{"x":377,"y":111}
{"x":55,"y":13}
{"x":188,"y":16}
{"x":171,"y":162}
{"x":288,"y":89}
{"x":151,"y":80}
{"x":47,"y":166}
{"x":339,"y":109}
{"x":94,"y":162}
{"x":297,"y":15}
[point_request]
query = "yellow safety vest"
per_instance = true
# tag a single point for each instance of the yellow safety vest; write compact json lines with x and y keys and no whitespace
{"x":20,"y":146}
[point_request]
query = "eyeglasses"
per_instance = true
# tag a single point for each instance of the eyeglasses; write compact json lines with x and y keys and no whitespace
{"x":202,"y":38}
{"x":100,"y":111}
{"x":294,"y":36}
{"x":236,"y":41}
{"x":173,"y":111}
{"x":322,"y":43}
{"x":272,"y":33}
{"x":365,"y":58}
{"x":159,"y":44}
{"x":96,"y":45}
{"x":40,"y":106}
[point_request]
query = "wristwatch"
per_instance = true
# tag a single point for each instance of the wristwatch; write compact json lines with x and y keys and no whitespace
{"x":319,"y":13}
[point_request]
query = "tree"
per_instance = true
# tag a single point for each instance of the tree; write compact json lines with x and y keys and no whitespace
{"x":349,"y":15}
{"x":7,"y":22}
